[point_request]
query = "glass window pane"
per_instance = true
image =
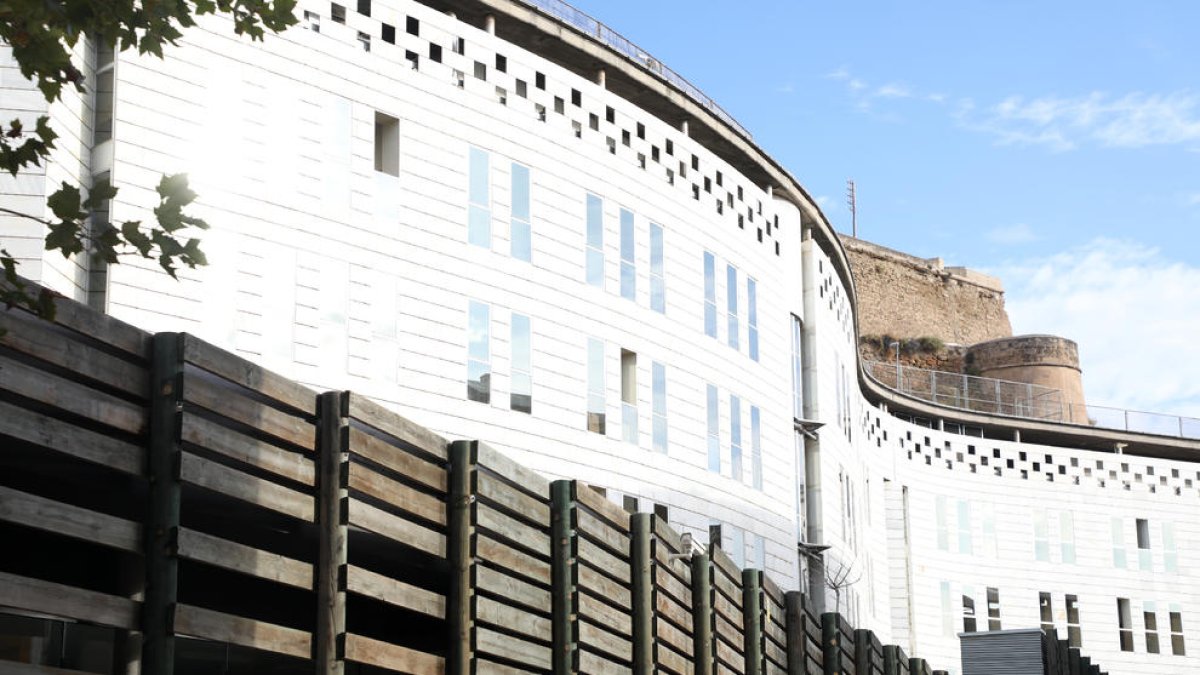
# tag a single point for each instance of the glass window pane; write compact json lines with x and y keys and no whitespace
{"x":479,"y":226}
{"x":627,"y":235}
{"x":522,"y":244}
{"x":478,"y":188}
{"x":596,"y":402}
{"x":521,"y":351}
{"x":628,"y":281}
{"x":479,"y":385}
{"x":656,"y":249}
{"x":595,"y":222}
{"x":520,"y":192}
{"x":658,"y":294}
{"x":710,"y":274}
{"x":478,"y":347}
{"x":756,"y":448}
{"x":735,"y":436}
{"x":714,"y":430}
{"x":595,"y":268}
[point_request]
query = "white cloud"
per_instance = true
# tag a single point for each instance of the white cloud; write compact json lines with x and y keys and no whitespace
{"x":893,"y":90}
{"x":1011,"y":235}
{"x":1193,"y":199}
{"x":1134,"y":312}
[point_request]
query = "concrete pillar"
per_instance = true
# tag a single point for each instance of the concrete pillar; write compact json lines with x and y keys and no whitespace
{"x":683,"y":127}
{"x":489,"y":24}
{"x":602,"y":78}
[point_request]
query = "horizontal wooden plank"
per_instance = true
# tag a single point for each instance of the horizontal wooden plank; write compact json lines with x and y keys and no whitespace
{"x":493,"y":489}
{"x":70,"y":521}
{"x":72,"y":397}
{"x":493,"y":460}
{"x":392,"y":657}
{"x":396,"y":528}
{"x":23,"y":333}
{"x":671,"y":636}
{"x":603,"y":641}
{"x":728,"y":655}
{"x":397,"y":494}
{"x":676,"y":661}
{"x":600,"y":584}
{"x":730,"y":589}
{"x":488,"y":641}
{"x":14,"y":668}
{"x":667,"y":608}
{"x":486,"y":667}
{"x":724,"y":563}
{"x":603,"y":560}
{"x":237,"y":630}
{"x":394,"y":592}
{"x":496,"y":582}
{"x":615,"y":541}
{"x":772,"y":590}
{"x":45,"y":597}
{"x":398,"y":459}
{"x":68,"y":439}
{"x":509,"y":558}
{"x":669,"y":585}
{"x":227,"y":402}
{"x":675,"y":563}
{"x":601,"y":613}
{"x":602,"y":507}
{"x":775,"y":652}
{"x":511,"y":619}
{"x":207,"y":434}
{"x":230,"y":555}
{"x":726,"y":609}
{"x":96,"y":325}
{"x":509,"y":528}
{"x":234,"y":368}
{"x":595,"y":664}
{"x":233,"y":483}
{"x":374,"y":415}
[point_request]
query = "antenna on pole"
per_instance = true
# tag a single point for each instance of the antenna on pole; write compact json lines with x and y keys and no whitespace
{"x":852,"y":202}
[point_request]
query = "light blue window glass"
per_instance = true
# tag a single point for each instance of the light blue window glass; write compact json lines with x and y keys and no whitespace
{"x":710,"y":295}
{"x":595,"y":241}
{"x":521,"y":398}
{"x":731,"y":295}
{"x":659,"y":407}
{"x":479,"y":209}
{"x":628,"y":266}
{"x":756,"y":477}
{"x":752,"y":315}
{"x":658,"y":284}
{"x":797,"y":368}
{"x":714,"y":431}
{"x":629,"y":411}
{"x":479,"y":368}
{"x":522,"y":243}
{"x":735,"y":436}
{"x":595,"y":370}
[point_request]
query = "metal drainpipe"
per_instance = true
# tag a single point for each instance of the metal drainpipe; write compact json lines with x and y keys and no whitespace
{"x":812,"y":447}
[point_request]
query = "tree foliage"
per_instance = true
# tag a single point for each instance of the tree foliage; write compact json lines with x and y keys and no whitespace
{"x":42,"y":35}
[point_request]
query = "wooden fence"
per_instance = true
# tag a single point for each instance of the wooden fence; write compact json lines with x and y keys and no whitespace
{"x":168,"y":507}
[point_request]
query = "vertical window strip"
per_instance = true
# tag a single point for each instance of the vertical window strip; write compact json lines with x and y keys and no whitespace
{"x":1125,"y":624}
{"x":659,"y":407}
{"x":479,"y":359}
{"x":947,"y":610}
{"x":970,"y":624}
{"x":943,"y":530}
{"x":658,"y":284}
{"x":752,"y":316}
{"x":479,"y":208}
{"x":1170,"y":555}
{"x":628,"y":264}
{"x":714,"y":430}
{"x":1066,"y":533}
{"x":797,"y":368}
{"x":710,"y":295}
{"x":1118,"y":539}
{"x":1074,"y":636}
{"x":595,"y":393}
{"x":594,"y":263}
{"x":1178,"y":648}
{"x":731,"y":305}
{"x":1145,"y":559}
{"x":964,"y":527}
{"x":521,"y":240}
{"x":756,"y":477}
{"x":1041,"y":536}
{"x":1046,"y":610}
{"x":629,"y":412}
{"x":521,"y":397}
{"x":735,"y":436}
{"x":993,"y":600}
{"x":1150,"y":621}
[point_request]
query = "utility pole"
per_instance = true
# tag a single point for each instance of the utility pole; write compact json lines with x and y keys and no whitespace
{"x":852,"y":202}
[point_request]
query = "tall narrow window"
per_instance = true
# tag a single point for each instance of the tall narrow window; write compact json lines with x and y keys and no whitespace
{"x":1125,"y":624}
{"x":759,"y":559}
{"x":943,"y":530}
{"x":595,"y":401}
{"x":658,"y":284}
{"x":387,"y":144}
{"x":797,"y":368}
{"x":1074,"y":638}
{"x":993,"y":603}
{"x":1118,"y":543}
{"x":479,"y":353}
{"x":947,"y":610}
{"x":752,"y":315}
{"x":521,"y":398}
{"x":628,"y":266}
{"x":964,"y":526}
{"x":479,"y":217}
{"x":1041,"y":536}
{"x":1170,"y":555}
{"x":731,"y":304}
{"x":989,"y":530}
{"x":1150,"y":619}
{"x":735,"y":436}
{"x":595,"y":241}
{"x":1177,"y":646}
{"x":714,"y":430}
{"x":737,"y":545}
{"x":756,"y":477}
{"x":521,"y":240}
{"x":102,"y":120}
{"x":1066,"y":526}
{"x":968,"y":607}
{"x":659,"y":406}
{"x":1046,"y":610}
{"x":1143,"y":543}
{"x":710,"y":295}
{"x":629,"y":413}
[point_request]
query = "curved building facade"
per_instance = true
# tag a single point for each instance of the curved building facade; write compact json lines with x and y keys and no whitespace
{"x":508,"y":230}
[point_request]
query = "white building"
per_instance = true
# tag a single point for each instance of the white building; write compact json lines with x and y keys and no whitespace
{"x":483,"y":216}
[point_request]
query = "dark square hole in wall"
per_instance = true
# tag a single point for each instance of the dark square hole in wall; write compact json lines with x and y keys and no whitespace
{"x":364,"y":7}
{"x":610,"y":115}
{"x":741,"y":221}
{"x":661,"y":511}
{"x":641,"y":131}
{"x":1049,"y":459}
{"x":539,"y":80}
{"x":970,"y":449}
{"x":388,"y":33}
{"x":707,"y":184}
{"x":1021,"y":455}
{"x":776,"y":248}
{"x":1009,"y":463}
{"x":559,"y":105}
{"x":480,"y":70}
{"x":435,"y":52}
{"x":501,"y":63}
{"x":594,"y":122}
{"x":1037,"y":466}
{"x":521,"y":89}
{"x":996,"y":453}
{"x":413,"y":59}
{"x":983,"y":460}
{"x":576,"y":98}
{"x":458,"y":46}
{"x":1062,"y":470}
{"x":338,"y":13}
{"x":625,"y":137}
{"x":412,"y":26}
{"x":654,"y":153}
{"x":760,"y":235}
{"x":670,"y":147}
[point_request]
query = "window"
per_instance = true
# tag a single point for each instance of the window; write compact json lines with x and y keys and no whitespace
{"x":414,"y":62}
{"x":479,"y":355}
{"x":989,"y":530}
{"x":797,"y":368}
{"x":364,"y":41}
{"x":759,"y":547}
{"x":993,"y":607}
{"x":521,"y":398}
{"x":1125,"y":624}
{"x":1177,"y":646}
{"x":595,"y":241}
{"x":102,"y":123}
{"x":1118,"y":539}
{"x":752,"y":315}
{"x":735,"y":436}
{"x":629,"y":427}
{"x":1074,"y":638}
{"x":312,"y":21}
{"x":710,"y":295}
{"x":1170,"y":555}
{"x":387,"y":144}
{"x":338,"y":12}
{"x":1066,"y":524}
{"x":737,"y":546}
{"x":1041,"y":537}
{"x":628,"y":268}
{"x":596,"y":404}
{"x":658,"y":284}
{"x":964,"y":526}
{"x":1046,"y":609}
{"x":714,"y":430}
{"x":943,"y":530}
{"x":412,"y":26}
{"x":947,"y":611}
{"x":479,"y":217}
{"x":756,"y":477}
{"x":968,"y":608}
{"x":658,"y":406}
{"x":501,"y":63}
{"x":576,"y":98}
{"x":521,"y":240}
{"x":539,"y":80}
{"x":457,"y":45}
{"x":480,"y":70}
{"x":388,"y":33}
{"x":364,"y":7}
{"x":1143,"y":543}
{"x":731,"y":290}
{"x":1150,"y":618}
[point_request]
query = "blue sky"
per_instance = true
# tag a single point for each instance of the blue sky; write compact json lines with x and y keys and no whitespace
{"x":1056,"y":144}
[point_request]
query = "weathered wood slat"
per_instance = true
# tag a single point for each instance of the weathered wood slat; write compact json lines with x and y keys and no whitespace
{"x":600,"y":584}
{"x":672,"y":661}
{"x":67,"y":520}
{"x":488,"y":641}
{"x":251,"y":489}
{"x":33,"y":337}
{"x":97,"y":325}
{"x":669,"y":585}
{"x":490,"y":487}
{"x":72,"y":397}
{"x":209,"y":435}
{"x":673,"y":637}
{"x":604,"y":534}
{"x":397,"y":494}
{"x":508,"y":618}
{"x":727,"y":610}
{"x":604,"y":614}
{"x":398,"y":459}
{"x":512,"y":529}
{"x":594,"y":664}
{"x":227,"y":402}
{"x":775,"y":653}
{"x":395,"y":592}
{"x":393,"y":527}
{"x":374,"y":415}
{"x":615,"y":515}
{"x":213,"y":625}
{"x":729,"y":589}
{"x":69,"y":439}
{"x":492,"y":460}
{"x":601,"y":559}
{"x":727,"y":654}
{"x":249,"y":375}
{"x":230,"y":555}
{"x":45,"y":597}
{"x":493,"y":581}
{"x":392,"y":657}
{"x":510,"y":559}
{"x":725,"y":564}
{"x":668,"y":609}
{"x":486,"y":667}
{"x":601,"y":640}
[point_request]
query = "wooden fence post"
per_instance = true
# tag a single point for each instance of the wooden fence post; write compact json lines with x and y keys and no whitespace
{"x":333,"y":430}
{"x":752,"y":621}
{"x":702,"y":615}
{"x":460,"y":549}
{"x":161,"y":535}
{"x":641,"y":558}
{"x":831,"y":643}
{"x":563,"y":576}
{"x":794,"y":605}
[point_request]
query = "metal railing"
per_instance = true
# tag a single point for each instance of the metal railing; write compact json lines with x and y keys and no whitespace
{"x":1020,"y":399}
{"x":612,"y":39}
